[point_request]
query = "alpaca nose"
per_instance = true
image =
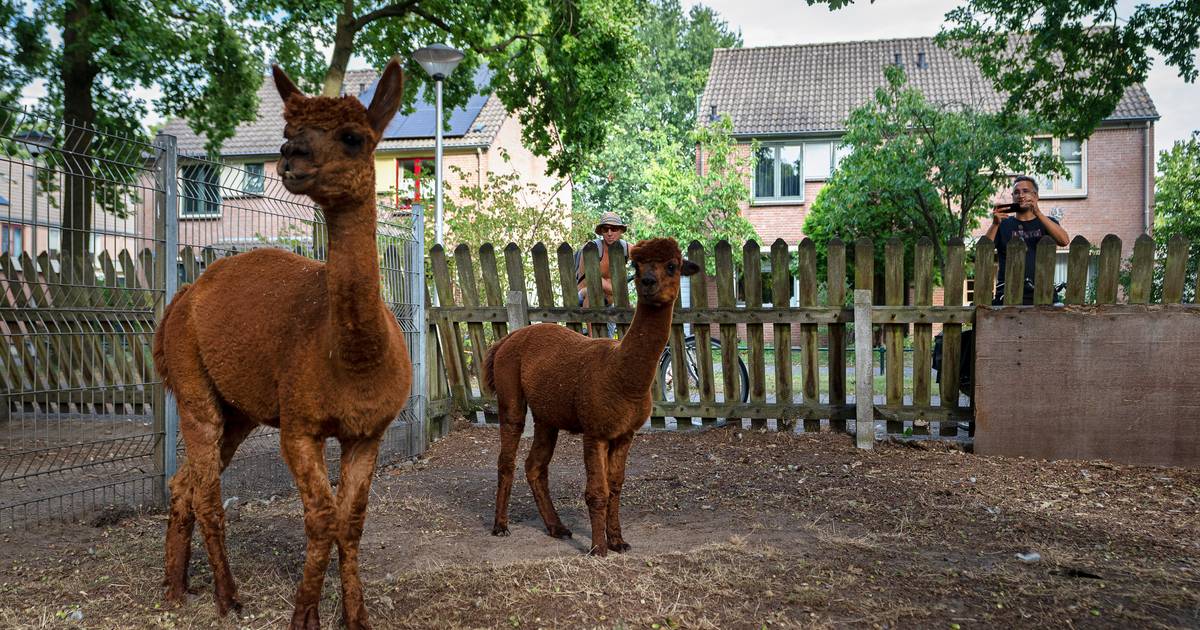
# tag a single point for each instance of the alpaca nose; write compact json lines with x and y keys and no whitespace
{"x":292,"y":150}
{"x":649,"y":281}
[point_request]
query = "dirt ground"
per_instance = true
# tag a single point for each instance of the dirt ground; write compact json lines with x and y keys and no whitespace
{"x":730,"y":529}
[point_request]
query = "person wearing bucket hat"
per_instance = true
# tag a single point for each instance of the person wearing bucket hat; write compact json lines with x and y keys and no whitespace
{"x":610,"y":228}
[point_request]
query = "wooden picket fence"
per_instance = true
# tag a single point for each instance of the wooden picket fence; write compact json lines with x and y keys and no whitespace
{"x":506,"y":302}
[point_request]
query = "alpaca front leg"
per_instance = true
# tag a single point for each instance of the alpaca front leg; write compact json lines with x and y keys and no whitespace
{"x":595,"y":461}
{"x":618,"y":454}
{"x":305,"y":456}
{"x":354,"y":488}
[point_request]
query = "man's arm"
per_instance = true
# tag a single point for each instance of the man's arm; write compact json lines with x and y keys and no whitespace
{"x":1055,"y":230}
{"x":998,"y":214}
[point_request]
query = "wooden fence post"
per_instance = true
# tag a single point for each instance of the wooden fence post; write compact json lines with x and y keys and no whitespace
{"x":864,"y":394}
{"x":518,"y":311}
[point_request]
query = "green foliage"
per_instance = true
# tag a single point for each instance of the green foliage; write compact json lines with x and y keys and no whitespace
{"x":564,"y":67}
{"x":669,"y":76}
{"x":917,"y":169}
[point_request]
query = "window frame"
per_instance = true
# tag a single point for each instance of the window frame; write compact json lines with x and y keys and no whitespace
{"x":213,"y":183}
{"x":261,"y":177}
{"x":7,"y":232}
{"x":778,"y":199}
{"x":1054,"y":189}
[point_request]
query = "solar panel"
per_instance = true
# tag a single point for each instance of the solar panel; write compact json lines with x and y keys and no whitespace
{"x":422,"y":122}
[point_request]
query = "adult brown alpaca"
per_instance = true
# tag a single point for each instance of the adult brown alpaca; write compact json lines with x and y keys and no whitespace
{"x":597,"y":387}
{"x":272,"y":338}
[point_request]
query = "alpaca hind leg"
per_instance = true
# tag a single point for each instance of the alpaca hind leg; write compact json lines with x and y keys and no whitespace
{"x":618,"y":453}
{"x":354,"y":487}
{"x":513,"y":409}
{"x":202,"y":433}
{"x":537,"y":472}
{"x":595,"y":462}
{"x":305,"y":456}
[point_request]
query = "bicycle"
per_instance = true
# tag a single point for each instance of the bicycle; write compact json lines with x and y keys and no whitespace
{"x":666,"y":369}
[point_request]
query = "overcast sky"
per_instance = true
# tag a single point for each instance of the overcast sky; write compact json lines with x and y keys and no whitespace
{"x":781,"y":22}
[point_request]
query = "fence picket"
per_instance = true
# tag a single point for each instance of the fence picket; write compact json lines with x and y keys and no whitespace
{"x":781,"y":293}
{"x":1014,"y":273}
{"x":619,"y":281}
{"x":514,"y":269}
{"x":594,"y":286}
{"x":450,"y":332}
{"x":729,"y":337}
{"x":836,"y":293}
{"x":949,"y":375}
{"x":1110,"y":270}
{"x":1078,"y":260}
{"x":893,"y":334}
{"x":470,"y":296}
{"x":1141,"y":277}
{"x":566,"y":279}
{"x":1175,"y":272}
{"x":541,"y":276}
{"x":922,"y":333}
{"x":985,"y":272}
{"x":810,"y":367}
{"x":491,"y":286}
{"x":1043,"y":271}
{"x":702,"y":332}
{"x":752,"y":285}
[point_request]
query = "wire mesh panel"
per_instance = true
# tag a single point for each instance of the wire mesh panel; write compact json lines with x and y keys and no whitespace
{"x":226,"y":208}
{"x":79,"y":292}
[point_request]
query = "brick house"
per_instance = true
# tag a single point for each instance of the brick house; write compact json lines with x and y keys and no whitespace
{"x":261,"y":209}
{"x":794,"y":100}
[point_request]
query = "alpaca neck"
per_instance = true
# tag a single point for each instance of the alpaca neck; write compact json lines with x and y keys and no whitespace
{"x":637,"y":354}
{"x":356,"y":310}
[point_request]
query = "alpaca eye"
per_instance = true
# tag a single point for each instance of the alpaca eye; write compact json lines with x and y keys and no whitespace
{"x":671,"y":269}
{"x":352,"y":139}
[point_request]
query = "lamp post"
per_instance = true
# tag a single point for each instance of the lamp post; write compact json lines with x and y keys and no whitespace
{"x":439,"y":60}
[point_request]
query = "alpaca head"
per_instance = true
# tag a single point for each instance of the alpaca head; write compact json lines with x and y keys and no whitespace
{"x":657,"y":266}
{"x":329,"y":148}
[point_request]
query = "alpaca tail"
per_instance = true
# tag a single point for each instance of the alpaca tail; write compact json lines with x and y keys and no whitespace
{"x":489,"y":365}
{"x":159,"y":351}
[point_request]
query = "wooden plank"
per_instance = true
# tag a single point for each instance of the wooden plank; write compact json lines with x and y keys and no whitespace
{"x":985,"y":272}
{"x":836,"y":294}
{"x":491,"y":286}
{"x":1078,"y":260}
{"x":1043,"y":271}
{"x":864,"y":382}
{"x":1108,"y":277}
{"x":470,"y":296}
{"x":1141,"y":275}
{"x":922,"y":333}
{"x":755,"y":350}
{"x":679,"y":368}
{"x":541,"y":277}
{"x":617,"y":274}
{"x":566,"y":280}
{"x":953,"y":275}
{"x":451,"y":333}
{"x":191,"y":268}
{"x":702,"y":332}
{"x":594,"y":285}
{"x":730,"y":372}
{"x":893,"y":334}
{"x":731,"y":315}
{"x":810,"y":358}
{"x":514,"y":268}
{"x":1014,"y":273}
{"x":781,"y":291}
{"x":1175,"y":272}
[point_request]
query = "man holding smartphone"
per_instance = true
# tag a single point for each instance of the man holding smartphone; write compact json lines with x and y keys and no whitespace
{"x":1021,"y":219}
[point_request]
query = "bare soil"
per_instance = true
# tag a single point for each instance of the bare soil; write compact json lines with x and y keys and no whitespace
{"x":730,"y":529}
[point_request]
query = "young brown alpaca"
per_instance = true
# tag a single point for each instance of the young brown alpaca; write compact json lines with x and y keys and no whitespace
{"x":597,"y":387}
{"x":268,"y":337}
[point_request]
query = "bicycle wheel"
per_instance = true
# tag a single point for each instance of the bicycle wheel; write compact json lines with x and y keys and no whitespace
{"x":666,"y":371}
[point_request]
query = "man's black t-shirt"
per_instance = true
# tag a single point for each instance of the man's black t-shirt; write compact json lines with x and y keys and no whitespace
{"x":1029,"y":231}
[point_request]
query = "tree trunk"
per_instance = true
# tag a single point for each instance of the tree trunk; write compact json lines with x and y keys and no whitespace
{"x":343,"y":46}
{"x":78,"y":73}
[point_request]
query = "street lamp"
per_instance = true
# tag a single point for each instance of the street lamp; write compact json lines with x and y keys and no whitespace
{"x":36,"y":142}
{"x":439,"y":60}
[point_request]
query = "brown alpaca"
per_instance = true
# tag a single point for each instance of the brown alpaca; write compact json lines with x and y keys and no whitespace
{"x":597,"y":387}
{"x":272,"y":338}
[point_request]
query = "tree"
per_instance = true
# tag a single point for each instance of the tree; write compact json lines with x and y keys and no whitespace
{"x":669,"y":76}
{"x":93,"y":54}
{"x":563,"y":67}
{"x":1176,"y":212}
{"x":917,"y":169}
{"x":1069,"y":61}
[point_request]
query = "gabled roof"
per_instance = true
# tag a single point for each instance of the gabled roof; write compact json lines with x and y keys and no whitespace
{"x":475,"y":125}
{"x":812,"y":88}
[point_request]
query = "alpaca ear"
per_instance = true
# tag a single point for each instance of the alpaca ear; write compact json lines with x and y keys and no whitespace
{"x":388,"y":93}
{"x":690,"y":268}
{"x":284,"y":84}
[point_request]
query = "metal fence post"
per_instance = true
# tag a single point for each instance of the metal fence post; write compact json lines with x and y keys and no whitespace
{"x":417,"y":265}
{"x":864,"y":378}
{"x":166,"y":415}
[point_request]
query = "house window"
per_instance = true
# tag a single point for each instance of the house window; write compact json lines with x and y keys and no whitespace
{"x":779,"y":173}
{"x":411,"y":173}
{"x":1073,"y":153}
{"x":818,"y":160}
{"x":253,"y":180}
{"x":12,"y":237}
{"x":199,"y":188}
{"x":55,"y":243}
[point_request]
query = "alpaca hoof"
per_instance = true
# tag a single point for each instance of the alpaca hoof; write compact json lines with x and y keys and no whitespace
{"x":305,"y":619}
{"x":358,"y":623}
{"x":598,"y":551}
{"x":224,"y":605}
{"x":619,"y":547}
{"x":176,"y":595}
{"x":558,"y":531}
{"x":499,"y":530}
